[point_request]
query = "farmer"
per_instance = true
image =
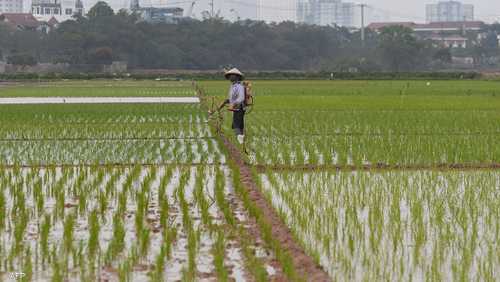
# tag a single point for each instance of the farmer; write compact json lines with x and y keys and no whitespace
{"x":236,"y":103}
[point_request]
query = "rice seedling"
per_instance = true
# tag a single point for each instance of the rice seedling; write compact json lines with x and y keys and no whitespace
{"x":114,"y":191}
{"x":414,"y":222}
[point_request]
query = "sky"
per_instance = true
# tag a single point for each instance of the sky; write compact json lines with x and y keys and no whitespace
{"x":393,"y":10}
{"x":414,"y":10}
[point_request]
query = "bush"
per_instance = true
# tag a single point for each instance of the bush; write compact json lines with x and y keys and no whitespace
{"x":21,"y":60}
{"x":254,"y":76}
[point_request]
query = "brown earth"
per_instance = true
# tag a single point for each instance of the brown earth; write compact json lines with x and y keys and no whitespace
{"x":378,"y":166}
{"x":303,"y":263}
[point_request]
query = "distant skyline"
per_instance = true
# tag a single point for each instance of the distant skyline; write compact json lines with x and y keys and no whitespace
{"x":390,"y":10}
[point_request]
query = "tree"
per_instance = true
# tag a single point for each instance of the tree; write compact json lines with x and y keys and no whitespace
{"x":21,"y":60}
{"x":101,"y":55}
{"x":491,"y":41}
{"x":443,"y":55}
{"x":399,"y":48}
{"x":100,"y":9}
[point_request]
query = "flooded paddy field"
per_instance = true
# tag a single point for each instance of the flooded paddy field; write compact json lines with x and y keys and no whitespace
{"x":382,"y":180}
{"x":340,"y":181}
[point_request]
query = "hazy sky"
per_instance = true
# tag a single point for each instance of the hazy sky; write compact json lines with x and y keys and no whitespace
{"x":395,"y":10}
{"x":487,"y":10}
{"x":414,"y":10}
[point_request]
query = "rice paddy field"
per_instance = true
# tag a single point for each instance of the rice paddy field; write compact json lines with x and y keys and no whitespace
{"x":374,"y":180}
{"x":383,"y":180}
{"x":120,"y":192}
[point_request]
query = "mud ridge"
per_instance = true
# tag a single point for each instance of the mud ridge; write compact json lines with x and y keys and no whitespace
{"x":374,"y":167}
{"x":303,"y":263}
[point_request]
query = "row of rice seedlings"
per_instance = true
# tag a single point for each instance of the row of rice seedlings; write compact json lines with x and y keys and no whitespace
{"x":197,"y":151}
{"x":27,"y":115}
{"x":81,"y":240}
{"x":308,"y":122}
{"x":393,"y":225}
{"x":193,"y":234}
{"x":253,"y":264}
{"x":266,"y":232}
{"x":71,"y":131}
{"x":387,"y":149}
{"x":93,"y":89}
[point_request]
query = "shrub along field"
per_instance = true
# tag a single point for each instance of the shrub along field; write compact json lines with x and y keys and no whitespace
{"x":382,"y":180}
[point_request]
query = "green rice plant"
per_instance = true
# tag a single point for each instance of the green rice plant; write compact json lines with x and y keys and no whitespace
{"x":157,"y":273}
{"x":418,"y":221}
{"x":27,"y":267}
{"x":69,"y":225}
{"x":20,"y":226}
{"x":218,"y":252}
{"x":199,"y":195}
{"x":94,"y":229}
{"x":117,"y":243}
{"x":169,"y":237}
{"x":44,"y":237}
{"x":3,"y":210}
{"x":144,"y":241}
{"x":57,"y":272}
{"x":220,"y":198}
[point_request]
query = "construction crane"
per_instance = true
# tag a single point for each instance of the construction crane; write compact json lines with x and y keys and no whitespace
{"x":189,"y":13}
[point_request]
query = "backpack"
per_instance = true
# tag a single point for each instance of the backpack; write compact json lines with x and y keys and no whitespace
{"x":248,"y":93}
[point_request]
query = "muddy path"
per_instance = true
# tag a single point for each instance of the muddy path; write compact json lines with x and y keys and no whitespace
{"x":375,"y":167}
{"x":303,"y":263}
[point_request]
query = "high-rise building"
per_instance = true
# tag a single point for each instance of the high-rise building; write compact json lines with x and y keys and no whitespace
{"x":45,"y":10}
{"x":327,"y":12}
{"x":11,"y":6}
{"x":449,"y":11}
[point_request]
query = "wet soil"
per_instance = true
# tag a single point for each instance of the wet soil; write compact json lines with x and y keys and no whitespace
{"x":379,"y":166}
{"x":303,"y":263}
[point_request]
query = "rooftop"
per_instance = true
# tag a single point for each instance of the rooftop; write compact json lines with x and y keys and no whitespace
{"x":470,"y":25}
{"x":20,"y":19}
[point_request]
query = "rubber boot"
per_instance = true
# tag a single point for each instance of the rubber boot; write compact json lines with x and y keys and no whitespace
{"x":241,"y":139}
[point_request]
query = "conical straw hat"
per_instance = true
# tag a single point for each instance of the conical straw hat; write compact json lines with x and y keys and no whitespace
{"x":233,"y":71}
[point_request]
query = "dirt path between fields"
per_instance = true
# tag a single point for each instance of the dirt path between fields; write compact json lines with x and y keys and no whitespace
{"x":303,"y":263}
{"x":375,"y":167}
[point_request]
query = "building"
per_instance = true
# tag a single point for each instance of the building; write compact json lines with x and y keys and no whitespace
{"x":45,"y":10}
{"x":157,"y":14}
{"x":11,"y":6}
{"x":449,"y":11}
{"x":445,"y":34}
{"x":433,"y":28}
{"x":26,"y":21}
{"x":20,"y":21}
{"x":304,"y":14}
{"x":160,"y":15}
{"x":327,"y":12}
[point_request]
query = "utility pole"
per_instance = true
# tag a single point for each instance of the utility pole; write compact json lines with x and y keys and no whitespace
{"x":212,"y":6}
{"x":363,"y":6}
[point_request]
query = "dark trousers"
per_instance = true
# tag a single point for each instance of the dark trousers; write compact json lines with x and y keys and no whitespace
{"x":239,"y":122}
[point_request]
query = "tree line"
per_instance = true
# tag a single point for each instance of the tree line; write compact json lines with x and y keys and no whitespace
{"x":104,"y":36}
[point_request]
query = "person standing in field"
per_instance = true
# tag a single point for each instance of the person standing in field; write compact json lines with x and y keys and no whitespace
{"x":236,"y":101}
